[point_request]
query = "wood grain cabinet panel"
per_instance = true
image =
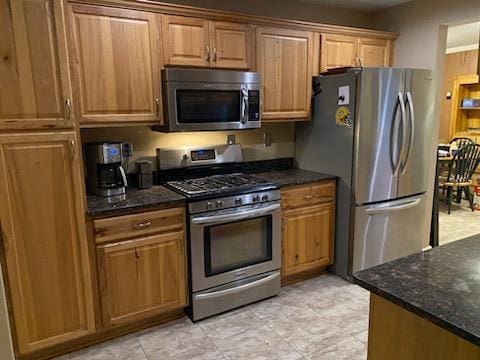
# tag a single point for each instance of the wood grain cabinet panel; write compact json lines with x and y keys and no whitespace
{"x":44,"y":239}
{"x":186,"y":41}
{"x":141,"y":278}
{"x":338,"y":51}
{"x":117,"y":65}
{"x":307,"y":238}
{"x":231,"y":43}
{"x":374,"y":52}
{"x":35,"y":87}
{"x":284,"y":59}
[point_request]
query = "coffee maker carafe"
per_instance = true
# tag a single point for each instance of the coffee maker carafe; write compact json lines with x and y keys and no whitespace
{"x":105,"y":174}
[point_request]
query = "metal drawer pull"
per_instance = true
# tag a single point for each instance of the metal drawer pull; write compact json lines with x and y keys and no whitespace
{"x":142,"y":225}
{"x":308,"y":197}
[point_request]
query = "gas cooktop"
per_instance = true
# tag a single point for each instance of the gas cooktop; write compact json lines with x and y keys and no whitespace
{"x":219,"y":184}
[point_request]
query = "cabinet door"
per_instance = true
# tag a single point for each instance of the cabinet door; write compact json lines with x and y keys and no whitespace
{"x":186,"y":41}
{"x":117,"y":65}
{"x":284,"y":58}
{"x":232,"y":45}
{"x":44,"y":235}
{"x":141,"y":278}
{"x":338,"y":51}
{"x":35,"y":90}
{"x":307,"y":238}
{"x":374,"y":52}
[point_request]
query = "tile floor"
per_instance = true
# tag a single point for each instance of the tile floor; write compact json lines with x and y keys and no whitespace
{"x":461,"y":223}
{"x":317,"y":319}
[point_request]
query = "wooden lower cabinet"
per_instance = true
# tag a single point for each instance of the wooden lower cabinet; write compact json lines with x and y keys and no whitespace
{"x":44,"y":252}
{"x":307,"y":233}
{"x":141,"y":278}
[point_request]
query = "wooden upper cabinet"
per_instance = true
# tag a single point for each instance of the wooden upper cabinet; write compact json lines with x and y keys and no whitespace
{"x":186,"y":41}
{"x":342,"y":50}
{"x":189,"y":41}
{"x":142,"y":277}
{"x":44,"y":239}
{"x":284,"y":59}
{"x":117,"y":61}
{"x":231,"y":45}
{"x":35,"y":89}
{"x":374,"y":52}
{"x":338,"y":51}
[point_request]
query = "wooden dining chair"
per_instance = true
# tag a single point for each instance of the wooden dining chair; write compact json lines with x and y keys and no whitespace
{"x":458,"y":178}
{"x":462,"y":141}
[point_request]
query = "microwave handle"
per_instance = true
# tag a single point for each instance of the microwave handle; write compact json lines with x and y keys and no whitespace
{"x":244,"y":115}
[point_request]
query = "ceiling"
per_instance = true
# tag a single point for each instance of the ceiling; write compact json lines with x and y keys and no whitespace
{"x":463,"y":37}
{"x":366,"y":5}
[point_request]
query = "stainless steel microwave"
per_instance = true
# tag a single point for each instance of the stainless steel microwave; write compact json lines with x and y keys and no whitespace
{"x":205,"y":99}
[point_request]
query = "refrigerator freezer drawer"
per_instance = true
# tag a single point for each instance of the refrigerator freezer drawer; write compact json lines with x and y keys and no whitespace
{"x":387,"y":231}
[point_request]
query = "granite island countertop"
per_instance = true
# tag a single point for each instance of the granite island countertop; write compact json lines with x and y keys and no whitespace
{"x":441,"y":285}
{"x":133,"y":199}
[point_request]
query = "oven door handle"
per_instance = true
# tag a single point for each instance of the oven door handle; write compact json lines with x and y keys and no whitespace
{"x":237,"y":289}
{"x":234,"y":216}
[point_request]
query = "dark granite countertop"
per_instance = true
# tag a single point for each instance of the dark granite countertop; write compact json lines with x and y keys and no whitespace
{"x":441,"y":285}
{"x":133,"y":199}
{"x":293,"y":177}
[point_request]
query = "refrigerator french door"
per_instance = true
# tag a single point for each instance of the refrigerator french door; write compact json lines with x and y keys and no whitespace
{"x":371,"y":128}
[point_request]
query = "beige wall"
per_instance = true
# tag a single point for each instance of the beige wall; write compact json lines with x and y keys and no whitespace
{"x":145,"y":141}
{"x":422,"y":25}
{"x":290,"y":9}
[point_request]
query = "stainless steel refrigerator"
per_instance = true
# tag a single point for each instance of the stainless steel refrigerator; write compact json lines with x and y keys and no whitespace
{"x":372,"y":127}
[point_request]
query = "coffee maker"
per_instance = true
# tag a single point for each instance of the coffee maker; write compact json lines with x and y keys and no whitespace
{"x":105,"y":174}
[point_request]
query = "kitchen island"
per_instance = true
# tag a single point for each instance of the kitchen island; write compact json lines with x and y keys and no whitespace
{"x":427,"y":305}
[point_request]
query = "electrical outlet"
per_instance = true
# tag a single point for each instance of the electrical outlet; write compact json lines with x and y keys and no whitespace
{"x":231,"y":139}
{"x":267,"y":139}
{"x":127,"y":149}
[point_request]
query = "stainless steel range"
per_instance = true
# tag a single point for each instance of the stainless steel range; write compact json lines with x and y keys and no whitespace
{"x":234,"y":231}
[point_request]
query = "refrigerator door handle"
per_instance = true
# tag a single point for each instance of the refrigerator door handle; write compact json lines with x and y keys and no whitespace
{"x":394,"y":137}
{"x":412,"y":130}
{"x":388,"y":209}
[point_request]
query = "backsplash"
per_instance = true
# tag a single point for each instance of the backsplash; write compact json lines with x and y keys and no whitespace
{"x":145,"y":141}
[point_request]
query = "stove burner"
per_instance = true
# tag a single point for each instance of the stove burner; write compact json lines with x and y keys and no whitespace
{"x":215,"y":183}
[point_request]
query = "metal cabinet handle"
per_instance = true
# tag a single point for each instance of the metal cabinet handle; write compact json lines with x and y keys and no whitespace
{"x":68,"y":109}
{"x":142,"y":225}
{"x":73,"y":150}
{"x":208,"y":52}
{"x":308,"y":197}
{"x":157,"y":107}
{"x":215,"y":54}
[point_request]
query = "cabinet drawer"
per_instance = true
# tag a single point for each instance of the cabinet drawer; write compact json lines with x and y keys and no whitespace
{"x":305,"y":195}
{"x":129,"y":226}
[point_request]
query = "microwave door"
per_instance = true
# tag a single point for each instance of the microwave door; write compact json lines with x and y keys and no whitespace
{"x":205,"y":106}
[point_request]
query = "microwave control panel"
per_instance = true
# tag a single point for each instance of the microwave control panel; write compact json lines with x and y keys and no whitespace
{"x":253,"y":105}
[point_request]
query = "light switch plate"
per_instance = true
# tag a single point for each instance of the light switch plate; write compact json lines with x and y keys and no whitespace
{"x":231,"y":139}
{"x":267,"y":139}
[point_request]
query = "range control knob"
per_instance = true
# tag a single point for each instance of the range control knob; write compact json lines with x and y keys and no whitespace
{"x":219,"y":203}
{"x":265,"y":198}
{"x":238,"y":201}
{"x":209,"y":205}
{"x":256,"y":198}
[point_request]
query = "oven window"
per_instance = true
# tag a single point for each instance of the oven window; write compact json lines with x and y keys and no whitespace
{"x":236,"y":245}
{"x":207,"y":106}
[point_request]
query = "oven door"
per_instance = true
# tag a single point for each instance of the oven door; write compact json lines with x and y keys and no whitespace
{"x":208,"y":106}
{"x":233,"y":244}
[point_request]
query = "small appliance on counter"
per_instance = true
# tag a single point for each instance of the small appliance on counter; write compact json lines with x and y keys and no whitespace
{"x":144,"y":174}
{"x":105,"y":173}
